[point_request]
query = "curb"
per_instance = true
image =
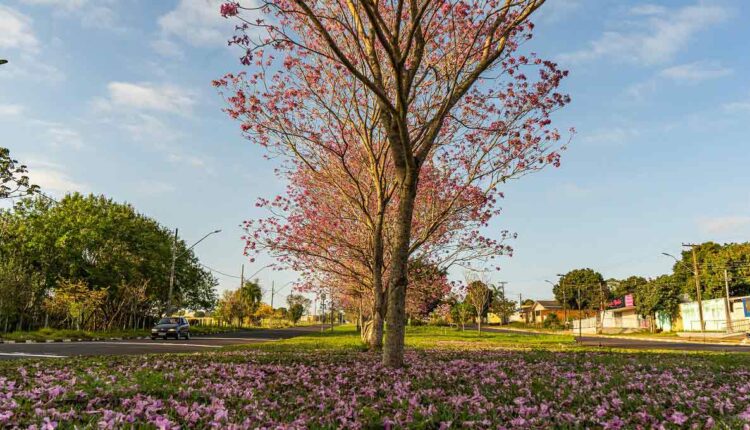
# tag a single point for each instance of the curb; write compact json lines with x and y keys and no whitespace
{"x":697,"y":342}
{"x":96,"y":339}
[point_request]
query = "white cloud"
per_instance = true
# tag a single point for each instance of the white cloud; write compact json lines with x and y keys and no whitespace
{"x":149,"y":129}
{"x":696,"y":72}
{"x":641,"y":90}
{"x":60,"y":136}
{"x":52,"y":178}
{"x":16,"y":31}
{"x":558,"y":10}
{"x":737,"y":106}
{"x":168,"y":48}
{"x":149,"y":97}
{"x":98,"y":14}
{"x":740,"y":106}
{"x":11,"y":110}
{"x":655,"y":38}
{"x":197,"y":22}
{"x":648,"y":9}
{"x":66,"y":4}
{"x":727,"y":224}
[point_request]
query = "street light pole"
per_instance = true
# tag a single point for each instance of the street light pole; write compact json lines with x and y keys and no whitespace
{"x":174,"y":262}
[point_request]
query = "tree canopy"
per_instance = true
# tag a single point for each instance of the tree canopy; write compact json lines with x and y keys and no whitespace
{"x":104,"y":245}
{"x":584,"y":284}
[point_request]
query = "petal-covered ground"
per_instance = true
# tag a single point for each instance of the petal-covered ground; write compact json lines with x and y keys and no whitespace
{"x":326,"y":389}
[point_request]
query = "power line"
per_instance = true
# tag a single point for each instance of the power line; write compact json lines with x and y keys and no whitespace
{"x":220,"y":272}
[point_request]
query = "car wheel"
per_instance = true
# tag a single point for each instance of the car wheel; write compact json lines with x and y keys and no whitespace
{"x":153,"y":337}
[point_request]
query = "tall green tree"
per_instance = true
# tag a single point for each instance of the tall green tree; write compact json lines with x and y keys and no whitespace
{"x":713,"y":259}
{"x":298,"y":304}
{"x":109,"y":247}
{"x":584,"y":288}
{"x":659,"y":295}
{"x":626,"y":286}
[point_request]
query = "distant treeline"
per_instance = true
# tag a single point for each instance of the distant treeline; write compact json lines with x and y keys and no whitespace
{"x":91,"y":263}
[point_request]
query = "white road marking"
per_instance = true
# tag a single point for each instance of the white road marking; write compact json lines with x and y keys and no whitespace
{"x":235,"y":338}
{"x":23,"y":354}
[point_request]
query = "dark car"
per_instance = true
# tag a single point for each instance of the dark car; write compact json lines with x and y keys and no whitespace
{"x":176,"y":327}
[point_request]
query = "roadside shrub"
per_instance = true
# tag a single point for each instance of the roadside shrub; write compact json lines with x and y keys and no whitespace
{"x":552,"y":321}
{"x":275,"y":323}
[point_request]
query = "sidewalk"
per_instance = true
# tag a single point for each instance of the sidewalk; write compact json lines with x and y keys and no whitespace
{"x":696,"y":340}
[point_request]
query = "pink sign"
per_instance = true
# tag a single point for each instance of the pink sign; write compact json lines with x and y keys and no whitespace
{"x":629,"y":300}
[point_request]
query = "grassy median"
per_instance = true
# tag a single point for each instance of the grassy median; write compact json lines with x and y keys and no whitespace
{"x":452,"y":379}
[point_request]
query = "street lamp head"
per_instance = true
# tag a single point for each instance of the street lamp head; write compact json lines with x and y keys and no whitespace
{"x":2,"y":61}
{"x":217,"y":231}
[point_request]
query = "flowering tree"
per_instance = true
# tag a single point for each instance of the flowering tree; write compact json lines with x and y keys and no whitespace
{"x":438,"y":83}
{"x":428,"y":286}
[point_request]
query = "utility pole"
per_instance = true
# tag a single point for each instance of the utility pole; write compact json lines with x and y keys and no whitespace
{"x":565,"y":300}
{"x":332,"y":307}
{"x":580,"y":321}
{"x":726,"y":302}
{"x":502,"y":316}
{"x":242,"y":276}
{"x":696,"y":274}
{"x":171,"y":274}
{"x":273,"y":292}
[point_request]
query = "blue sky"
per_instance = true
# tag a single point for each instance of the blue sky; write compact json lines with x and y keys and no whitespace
{"x":114,"y":97}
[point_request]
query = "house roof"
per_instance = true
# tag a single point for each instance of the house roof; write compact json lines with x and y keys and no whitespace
{"x":549,"y":304}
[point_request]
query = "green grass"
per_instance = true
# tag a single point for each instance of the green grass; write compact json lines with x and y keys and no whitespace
{"x":60,"y":334}
{"x":346,"y":338}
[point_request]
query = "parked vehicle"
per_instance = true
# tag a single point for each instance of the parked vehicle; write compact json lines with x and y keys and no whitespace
{"x":177,"y":327}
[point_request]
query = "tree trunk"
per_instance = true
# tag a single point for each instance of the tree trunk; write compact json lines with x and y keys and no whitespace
{"x":393,"y":351}
{"x":375,"y":340}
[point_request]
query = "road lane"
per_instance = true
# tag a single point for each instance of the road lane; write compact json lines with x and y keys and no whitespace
{"x":148,"y":346}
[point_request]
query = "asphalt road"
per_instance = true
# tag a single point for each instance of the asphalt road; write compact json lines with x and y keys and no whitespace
{"x":610,"y":342}
{"x":147,"y":346}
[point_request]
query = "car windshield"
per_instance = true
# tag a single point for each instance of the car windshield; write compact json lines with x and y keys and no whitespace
{"x":168,"y":321}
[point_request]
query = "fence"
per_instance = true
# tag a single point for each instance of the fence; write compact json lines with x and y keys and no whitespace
{"x":737,"y":326}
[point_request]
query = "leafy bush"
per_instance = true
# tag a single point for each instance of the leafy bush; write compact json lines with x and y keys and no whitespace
{"x":552,"y":321}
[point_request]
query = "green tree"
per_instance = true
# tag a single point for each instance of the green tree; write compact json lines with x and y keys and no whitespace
{"x":586,"y":284}
{"x":626,"y":286}
{"x":250,"y":296}
{"x":298,"y":305}
{"x":658,"y":295}
{"x":713,"y":259}
{"x":109,"y":247}
{"x":501,"y":305}
{"x":462,"y":312}
{"x":14,"y":179}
